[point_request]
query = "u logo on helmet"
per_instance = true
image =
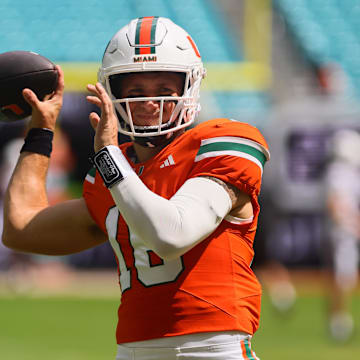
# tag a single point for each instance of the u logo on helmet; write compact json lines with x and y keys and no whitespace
{"x":197,"y":53}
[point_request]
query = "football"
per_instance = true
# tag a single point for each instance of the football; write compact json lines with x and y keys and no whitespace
{"x":20,"y":70}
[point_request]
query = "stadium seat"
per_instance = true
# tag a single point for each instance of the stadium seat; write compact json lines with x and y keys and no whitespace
{"x":328,"y":31}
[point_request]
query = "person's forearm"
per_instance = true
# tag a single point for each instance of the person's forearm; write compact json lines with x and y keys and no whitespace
{"x":31,"y":225}
{"x":172,"y":227}
{"x":26,"y":193}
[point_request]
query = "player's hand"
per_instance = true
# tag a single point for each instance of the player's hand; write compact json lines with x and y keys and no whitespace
{"x":46,"y":112}
{"x":106,"y":125}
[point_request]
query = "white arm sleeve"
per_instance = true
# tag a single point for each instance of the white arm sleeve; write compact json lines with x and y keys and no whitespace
{"x":171,"y":227}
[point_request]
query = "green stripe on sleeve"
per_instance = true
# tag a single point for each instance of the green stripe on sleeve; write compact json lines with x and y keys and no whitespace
{"x":223,"y":146}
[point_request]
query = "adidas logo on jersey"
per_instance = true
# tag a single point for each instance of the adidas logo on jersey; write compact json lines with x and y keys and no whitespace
{"x":169,"y":161}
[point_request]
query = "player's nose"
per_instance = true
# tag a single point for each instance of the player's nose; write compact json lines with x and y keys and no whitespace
{"x":150,"y":105}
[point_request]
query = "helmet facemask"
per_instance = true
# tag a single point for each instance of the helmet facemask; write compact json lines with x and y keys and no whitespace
{"x":183,"y":114}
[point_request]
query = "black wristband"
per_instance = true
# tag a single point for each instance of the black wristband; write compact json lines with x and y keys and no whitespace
{"x":38,"y":141}
{"x":107,"y":167}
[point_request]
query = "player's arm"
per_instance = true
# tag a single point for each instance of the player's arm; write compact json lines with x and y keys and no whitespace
{"x":169,"y":227}
{"x":61,"y":229}
{"x":29,"y":223}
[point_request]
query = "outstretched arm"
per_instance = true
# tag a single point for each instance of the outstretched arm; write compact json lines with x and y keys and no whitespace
{"x":30,"y":224}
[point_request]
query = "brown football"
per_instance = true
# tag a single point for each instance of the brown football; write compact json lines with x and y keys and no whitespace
{"x":20,"y":70}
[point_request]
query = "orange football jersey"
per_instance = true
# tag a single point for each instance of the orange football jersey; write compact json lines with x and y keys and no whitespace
{"x":211,"y":287}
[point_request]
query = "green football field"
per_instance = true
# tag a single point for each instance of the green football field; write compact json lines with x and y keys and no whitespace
{"x":79,"y":328}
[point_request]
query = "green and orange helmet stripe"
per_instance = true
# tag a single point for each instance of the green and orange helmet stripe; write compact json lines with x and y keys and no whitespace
{"x":145,"y":35}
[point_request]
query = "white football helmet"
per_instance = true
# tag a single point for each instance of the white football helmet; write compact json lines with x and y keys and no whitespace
{"x":153,"y":44}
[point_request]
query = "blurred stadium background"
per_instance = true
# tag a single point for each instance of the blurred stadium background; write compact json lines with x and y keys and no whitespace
{"x":289,"y":67}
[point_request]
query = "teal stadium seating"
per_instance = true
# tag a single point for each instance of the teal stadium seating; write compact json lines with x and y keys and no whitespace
{"x":78,"y":31}
{"x":247,"y":106}
{"x":328,"y":32}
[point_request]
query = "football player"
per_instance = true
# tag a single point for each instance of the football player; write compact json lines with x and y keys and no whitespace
{"x":342,"y":242}
{"x":179,"y":207}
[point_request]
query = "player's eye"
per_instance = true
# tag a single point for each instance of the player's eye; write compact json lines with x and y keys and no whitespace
{"x":167,"y":92}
